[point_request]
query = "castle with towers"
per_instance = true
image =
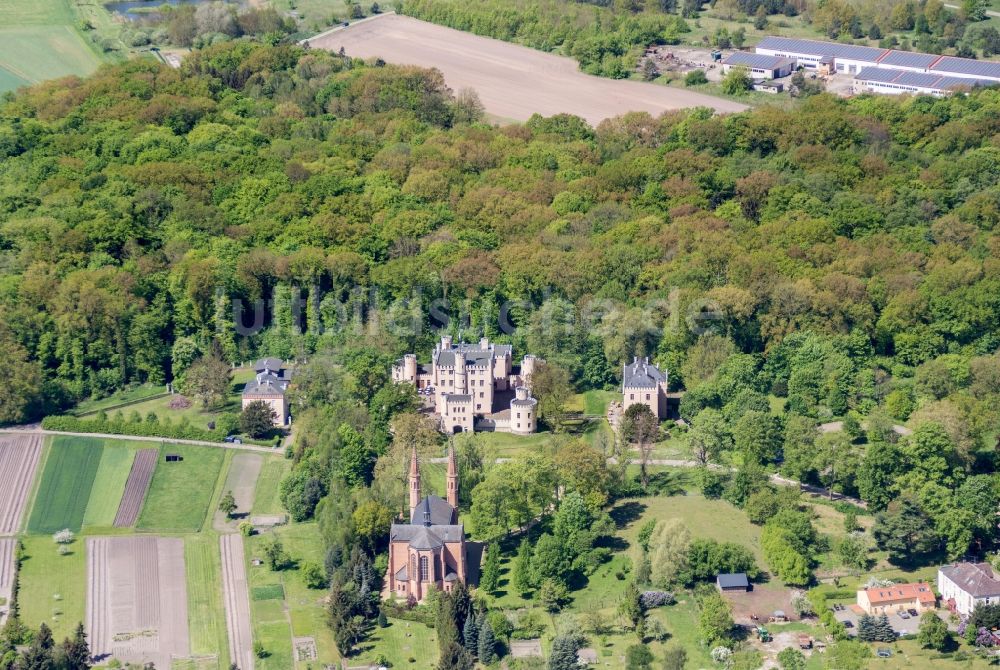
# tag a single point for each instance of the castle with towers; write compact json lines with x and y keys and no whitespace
{"x":474,"y":387}
{"x":429,"y":552}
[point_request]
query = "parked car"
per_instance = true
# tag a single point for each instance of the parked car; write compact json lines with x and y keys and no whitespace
{"x":229,"y":438}
{"x":848,"y":624}
{"x":903,"y":615}
{"x":884,"y":652}
{"x":913,"y":613}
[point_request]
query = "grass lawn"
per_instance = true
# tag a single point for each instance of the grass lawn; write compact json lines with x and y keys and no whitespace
{"x":39,"y":41}
{"x":130,"y":396}
{"x":53,"y":586}
{"x":266,"y":500}
{"x":180,"y":494}
{"x":206,"y":616}
{"x":401,"y":641}
{"x":67,"y":481}
{"x":194,"y":414}
{"x":301,"y":612}
{"x":315,"y":15}
{"x":708,"y":519}
{"x":109,"y":484}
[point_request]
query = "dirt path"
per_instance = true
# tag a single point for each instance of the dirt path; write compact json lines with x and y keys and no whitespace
{"x":139,"y":478}
{"x":513,"y":82}
{"x":237,"y":601}
{"x":242,"y":481}
{"x":140,"y":438}
{"x":19,"y":457}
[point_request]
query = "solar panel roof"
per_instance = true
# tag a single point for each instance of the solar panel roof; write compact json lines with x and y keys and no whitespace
{"x":883,"y":75}
{"x":950,"y":83}
{"x":919,"y":79}
{"x":833,"y":49}
{"x":977,"y":68}
{"x":756,"y":60}
{"x":908,"y":59}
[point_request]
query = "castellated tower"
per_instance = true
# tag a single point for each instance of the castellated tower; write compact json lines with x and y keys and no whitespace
{"x":523,"y":410}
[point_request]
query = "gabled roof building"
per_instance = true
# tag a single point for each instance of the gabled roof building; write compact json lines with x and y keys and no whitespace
{"x":965,"y":585}
{"x":269,"y":386}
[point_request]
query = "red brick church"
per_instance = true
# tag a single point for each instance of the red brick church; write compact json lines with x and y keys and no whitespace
{"x":429,"y":551}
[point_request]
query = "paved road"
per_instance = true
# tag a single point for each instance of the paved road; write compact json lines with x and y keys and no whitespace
{"x":680,"y":463}
{"x":140,"y":438}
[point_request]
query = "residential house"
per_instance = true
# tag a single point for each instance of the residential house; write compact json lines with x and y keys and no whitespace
{"x":964,"y":585}
{"x":889,"y":599}
{"x":269,"y":385}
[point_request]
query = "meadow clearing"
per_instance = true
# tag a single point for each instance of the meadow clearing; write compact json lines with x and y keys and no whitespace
{"x":39,"y":40}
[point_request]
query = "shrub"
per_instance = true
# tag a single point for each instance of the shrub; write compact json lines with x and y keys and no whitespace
{"x":695,"y":78}
{"x":179,"y":402}
{"x":313,"y":575}
{"x":651,"y":599}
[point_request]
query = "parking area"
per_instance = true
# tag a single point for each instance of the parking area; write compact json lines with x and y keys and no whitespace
{"x":849,"y":615}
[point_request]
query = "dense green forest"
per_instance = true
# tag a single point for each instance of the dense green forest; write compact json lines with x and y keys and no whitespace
{"x":839,"y":258}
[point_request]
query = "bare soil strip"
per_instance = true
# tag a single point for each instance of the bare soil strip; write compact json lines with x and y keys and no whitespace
{"x":237,"y":600}
{"x":513,"y":82}
{"x":137,"y":599}
{"x":139,"y":478}
{"x":19,"y":456}
{"x":7,"y":545}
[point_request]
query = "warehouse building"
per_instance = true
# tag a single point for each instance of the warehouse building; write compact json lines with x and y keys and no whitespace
{"x":831,"y":57}
{"x":894,"y":82}
{"x":824,"y":57}
{"x":760,"y":66}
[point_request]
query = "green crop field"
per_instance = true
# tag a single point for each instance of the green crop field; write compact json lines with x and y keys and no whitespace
{"x":109,"y":483}
{"x":181,"y":492}
{"x":39,"y":40}
{"x":67,"y":481}
{"x":53,"y":585}
{"x":206,"y":616}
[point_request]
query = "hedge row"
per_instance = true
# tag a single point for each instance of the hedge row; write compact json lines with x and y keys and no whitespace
{"x":72,"y":424}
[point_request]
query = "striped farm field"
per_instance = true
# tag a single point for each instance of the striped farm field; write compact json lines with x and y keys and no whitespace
{"x":116,"y":461}
{"x":67,"y":481}
{"x":19,"y":456}
{"x":135,"y":488}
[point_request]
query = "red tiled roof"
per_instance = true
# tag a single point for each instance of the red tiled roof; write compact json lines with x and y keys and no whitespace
{"x":920,"y":591}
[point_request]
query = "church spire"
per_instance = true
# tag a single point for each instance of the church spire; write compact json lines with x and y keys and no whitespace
{"x":452,"y":477}
{"x":414,"y":482}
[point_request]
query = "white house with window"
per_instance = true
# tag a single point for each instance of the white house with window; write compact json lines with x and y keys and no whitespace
{"x":964,"y":585}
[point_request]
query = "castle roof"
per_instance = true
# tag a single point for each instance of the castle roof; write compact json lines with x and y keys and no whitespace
{"x":642,"y":374}
{"x":475,"y":354}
